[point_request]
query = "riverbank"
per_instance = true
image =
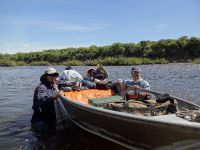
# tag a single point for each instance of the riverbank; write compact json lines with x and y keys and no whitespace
{"x":181,"y":50}
{"x":107,"y":61}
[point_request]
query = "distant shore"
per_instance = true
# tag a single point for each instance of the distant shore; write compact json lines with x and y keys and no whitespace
{"x":108,"y":61}
{"x":164,"y":51}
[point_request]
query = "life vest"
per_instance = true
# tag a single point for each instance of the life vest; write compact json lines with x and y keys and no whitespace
{"x":135,"y":95}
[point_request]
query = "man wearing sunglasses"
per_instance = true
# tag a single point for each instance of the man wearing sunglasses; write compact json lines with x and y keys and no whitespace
{"x":137,"y":81}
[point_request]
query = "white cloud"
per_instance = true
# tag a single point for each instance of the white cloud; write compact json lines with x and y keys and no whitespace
{"x":15,"y":47}
{"x":154,"y":27}
{"x":55,"y":25}
{"x":78,"y":28}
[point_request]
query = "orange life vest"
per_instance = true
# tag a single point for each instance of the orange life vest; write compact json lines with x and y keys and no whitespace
{"x":137,"y":95}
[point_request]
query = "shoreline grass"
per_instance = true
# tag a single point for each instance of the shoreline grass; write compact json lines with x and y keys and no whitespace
{"x":7,"y":63}
{"x":107,"y":61}
{"x":196,"y":61}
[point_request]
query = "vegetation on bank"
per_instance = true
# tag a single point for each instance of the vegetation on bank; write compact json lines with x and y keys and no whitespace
{"x":163,"y":51}
{"x":197,"y":61}
{"x":7,"y":62}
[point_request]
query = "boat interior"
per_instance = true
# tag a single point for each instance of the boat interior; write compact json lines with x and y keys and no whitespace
{"x":108,"y":99}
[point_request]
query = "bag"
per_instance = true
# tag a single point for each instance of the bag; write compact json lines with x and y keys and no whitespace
{"x":191,"y":115}
{"x":147,"y":108}
{"x":67,"y":86}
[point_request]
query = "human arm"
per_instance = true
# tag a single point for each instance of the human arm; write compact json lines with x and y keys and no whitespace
{"x":45,"y":95}
{"x":100,"y":81}
{"x":145,"y":85}
{"x":135,"y":86}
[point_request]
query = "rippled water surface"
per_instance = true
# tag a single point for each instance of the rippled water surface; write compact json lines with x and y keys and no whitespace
{"x":16,"y":91}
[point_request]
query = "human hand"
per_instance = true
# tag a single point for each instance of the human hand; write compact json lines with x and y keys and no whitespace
{"x":135,"y":87}
{"x":61,"y":93}
{"x":97,"y":80}
{"x":58,"y":94}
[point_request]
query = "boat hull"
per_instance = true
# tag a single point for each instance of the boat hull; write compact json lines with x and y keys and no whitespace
{"x":133,"y":131}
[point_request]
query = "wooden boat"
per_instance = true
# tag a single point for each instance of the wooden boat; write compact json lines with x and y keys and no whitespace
{"x":133,"y":131}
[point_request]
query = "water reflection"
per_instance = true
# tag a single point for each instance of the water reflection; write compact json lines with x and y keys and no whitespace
{"x":73,"y":138}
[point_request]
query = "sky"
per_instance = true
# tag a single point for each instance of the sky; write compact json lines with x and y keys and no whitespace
{"x":35,"y":25}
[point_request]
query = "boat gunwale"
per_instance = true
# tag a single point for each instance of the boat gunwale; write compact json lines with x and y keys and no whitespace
{"x":125,"y":116}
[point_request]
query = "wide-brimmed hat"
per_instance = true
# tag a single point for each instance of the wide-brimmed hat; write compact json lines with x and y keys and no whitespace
{"x":51,"y":71}
{"x":90,"y":70}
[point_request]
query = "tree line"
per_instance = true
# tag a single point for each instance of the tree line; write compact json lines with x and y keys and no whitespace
{"x":182,"y":49}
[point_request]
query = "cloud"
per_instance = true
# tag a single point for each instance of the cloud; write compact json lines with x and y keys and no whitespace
{"x":14,"y":47}
{"x":154,"y":27}
{"x":78,"y":28}
{"x":55,"y":25}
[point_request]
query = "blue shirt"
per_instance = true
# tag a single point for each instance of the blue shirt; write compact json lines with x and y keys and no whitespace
{"x":141,"y":83}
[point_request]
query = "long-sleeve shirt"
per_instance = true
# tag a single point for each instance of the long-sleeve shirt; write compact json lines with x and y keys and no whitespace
{"x":141,"y":83}
{"x":43,"y":104}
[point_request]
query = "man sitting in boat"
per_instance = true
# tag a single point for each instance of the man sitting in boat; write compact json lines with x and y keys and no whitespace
{"x":139,"y":99}
{"x":95,"y":77}
{"x":70,"y":78}
{"x":132,"y":85}
{"x":137,"y":81}
{"x":129,"y":88}
{"x":44,"y":116}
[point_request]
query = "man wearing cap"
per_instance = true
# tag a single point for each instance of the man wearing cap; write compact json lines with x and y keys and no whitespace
{"x":44,"y":115}
{"x":137,"y":81}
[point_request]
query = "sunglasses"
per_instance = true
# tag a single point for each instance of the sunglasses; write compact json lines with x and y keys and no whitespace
{"x":135,"y":72}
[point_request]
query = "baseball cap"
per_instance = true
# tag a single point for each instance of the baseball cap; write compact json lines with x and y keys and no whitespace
{"x":135,"y":69}
{"x":51,"y":71}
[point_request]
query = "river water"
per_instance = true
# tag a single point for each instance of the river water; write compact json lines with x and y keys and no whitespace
{"x":17,"y":85}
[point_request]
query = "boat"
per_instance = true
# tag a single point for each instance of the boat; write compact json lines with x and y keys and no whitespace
{"x":135,"y":131}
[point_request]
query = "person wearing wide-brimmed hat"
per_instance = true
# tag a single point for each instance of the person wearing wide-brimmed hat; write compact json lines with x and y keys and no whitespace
{"x":96,"y":77}
{"x":43,"y":101}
